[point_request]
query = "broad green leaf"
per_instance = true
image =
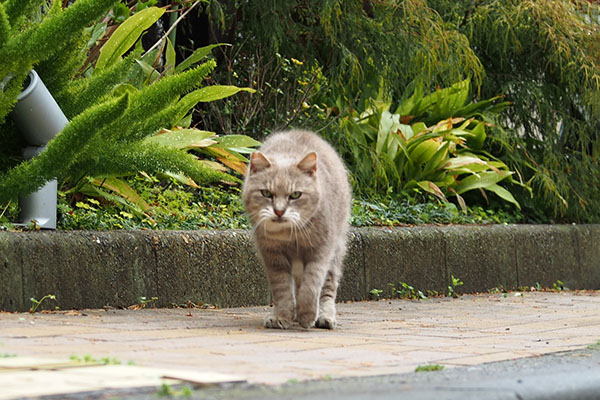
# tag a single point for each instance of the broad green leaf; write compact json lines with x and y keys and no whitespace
{"x":388,"y":125}
{"x":235,"y":141}
{"x":418,"y":127}
{"x":183,"y":139}
{"x":462,"y":161}
{"x":206,"y":94}
{"x":197,"y":56}
{"x":98,"y":31}
{"x":182,"y":178}
{"x":477,"y":137}
{"x":406,"y":131}
{"x":481,"y":106}
{"x":214,"y":165}
{"x":424,"y":151}
{"x":412,"y":104}
{"x":122,"y":189}
{"x":170,"y":59}
{"x":504,"y":194}
{"x":483,"y":180}
{"x":126,"y":35}
{"x":432,"y":188}
{"x":229,"y":158}
{"x":91,"y":190}
{"x":461,"y":201}
{"x":149,"y":72}
{"x":438,"y":158}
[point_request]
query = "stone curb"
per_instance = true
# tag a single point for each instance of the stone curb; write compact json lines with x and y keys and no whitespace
{"x":86,"y":269}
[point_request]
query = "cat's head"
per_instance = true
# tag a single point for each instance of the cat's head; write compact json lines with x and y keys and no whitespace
{"x":280,"y":193}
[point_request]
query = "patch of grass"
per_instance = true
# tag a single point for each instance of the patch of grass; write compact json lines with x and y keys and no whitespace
{"x":88,"y":359}
{"x":429,"y":368}
{"x":595,"y":346}
{"x":167,"y":390}
{"x":382,"y":211}
{"x":7,"y":355}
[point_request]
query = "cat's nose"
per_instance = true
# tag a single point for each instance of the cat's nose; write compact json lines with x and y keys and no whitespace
{"x":279,"y":213}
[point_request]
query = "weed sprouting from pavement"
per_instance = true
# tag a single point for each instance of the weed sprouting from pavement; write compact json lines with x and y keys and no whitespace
{"x":456,"y":282}
{"x":429,"y":368}
{"x":35,"y":304}
{"x":376,"y":293}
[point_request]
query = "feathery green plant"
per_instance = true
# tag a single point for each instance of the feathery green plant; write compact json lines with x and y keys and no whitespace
{"x":114,"y":110}
{"x":24,"y":44}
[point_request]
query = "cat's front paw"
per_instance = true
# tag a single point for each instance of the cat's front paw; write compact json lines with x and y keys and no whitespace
{"x":274,"y":322}
{"x":307,"y":318}
{"x":326,"y":322}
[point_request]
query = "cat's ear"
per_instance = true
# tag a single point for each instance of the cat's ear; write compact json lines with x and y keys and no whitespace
{"x":309,"y":163}
{"x":258,"y":162}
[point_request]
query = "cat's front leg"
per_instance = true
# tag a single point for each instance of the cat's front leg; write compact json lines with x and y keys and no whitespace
{"x":307,"y":299}
{"x":280,"y":281}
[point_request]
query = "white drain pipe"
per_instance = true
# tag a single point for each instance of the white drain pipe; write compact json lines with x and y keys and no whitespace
{"x":39,"y":118}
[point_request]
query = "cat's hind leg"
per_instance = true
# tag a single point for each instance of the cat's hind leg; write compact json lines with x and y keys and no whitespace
{"x":326,"y":318}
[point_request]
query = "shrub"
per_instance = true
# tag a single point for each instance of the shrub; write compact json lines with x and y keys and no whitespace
{"x":400,"y":152}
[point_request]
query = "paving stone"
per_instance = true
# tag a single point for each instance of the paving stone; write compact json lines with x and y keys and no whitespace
{"x":373,"y":337}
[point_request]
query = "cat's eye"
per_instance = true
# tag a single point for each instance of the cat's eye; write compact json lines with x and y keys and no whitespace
{"x":295,"y":195}
{"x":266,"y":193}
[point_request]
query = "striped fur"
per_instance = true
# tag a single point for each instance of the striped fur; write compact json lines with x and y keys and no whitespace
{"x":297,"y":195}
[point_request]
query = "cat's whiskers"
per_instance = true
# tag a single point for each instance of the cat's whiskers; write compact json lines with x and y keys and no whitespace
{"x":305,"y":225}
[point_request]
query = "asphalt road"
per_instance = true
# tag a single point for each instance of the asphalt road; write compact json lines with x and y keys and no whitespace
{"x":570,"y":375}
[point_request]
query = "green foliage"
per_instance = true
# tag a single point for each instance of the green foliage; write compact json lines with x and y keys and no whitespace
{"x":353,"y":40}
{"x":400,"y":152}
{"x":126,"y":36}
{"x":169,"y":202}
{"x":310,"y":55}
{"x":543,"y":55}
{"x":115,"y":108}
{"x":162,"y":203}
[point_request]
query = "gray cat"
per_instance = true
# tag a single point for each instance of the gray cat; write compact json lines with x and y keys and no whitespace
{"x":297,"y":196}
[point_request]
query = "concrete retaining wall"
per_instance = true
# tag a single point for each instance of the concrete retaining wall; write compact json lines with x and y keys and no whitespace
{"x":96,"y":269}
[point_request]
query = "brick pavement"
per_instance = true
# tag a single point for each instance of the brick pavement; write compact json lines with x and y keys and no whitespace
{"x":373,"y":338}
